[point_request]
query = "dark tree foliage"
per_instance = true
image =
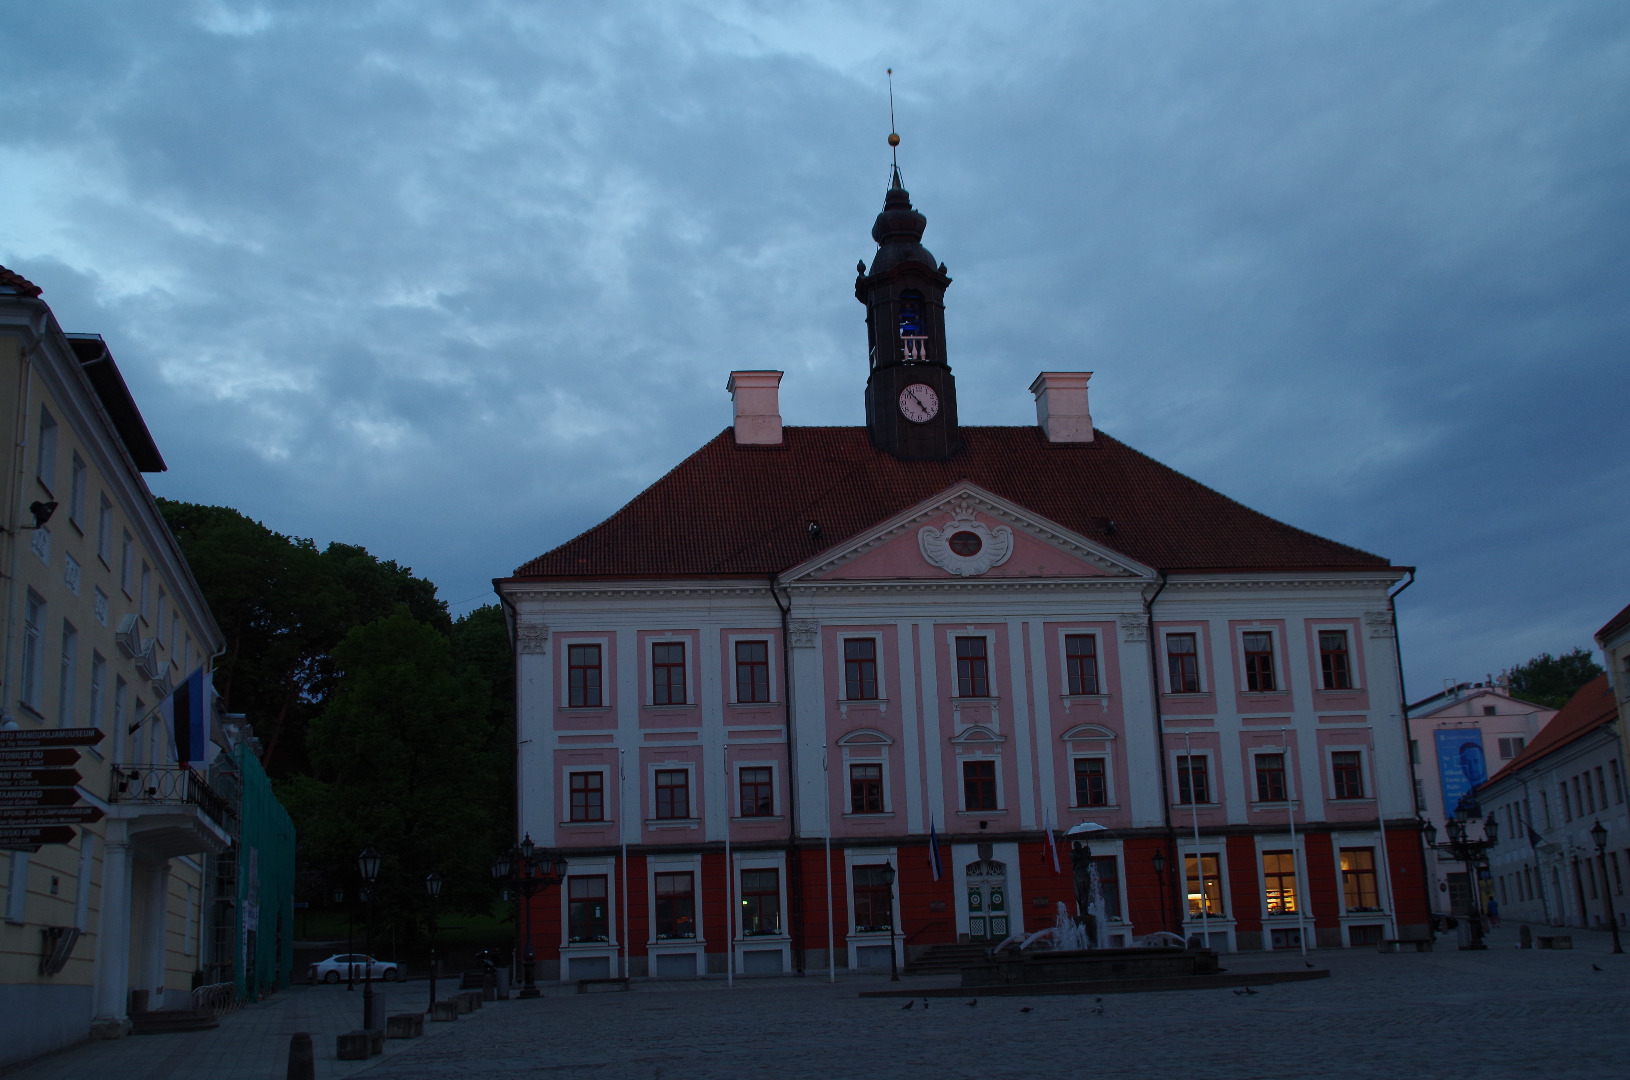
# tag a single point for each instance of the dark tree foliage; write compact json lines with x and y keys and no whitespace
{"x":1551,"y":680}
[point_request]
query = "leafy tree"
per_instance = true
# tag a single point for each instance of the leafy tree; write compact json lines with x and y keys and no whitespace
{"x":1551,"y":680}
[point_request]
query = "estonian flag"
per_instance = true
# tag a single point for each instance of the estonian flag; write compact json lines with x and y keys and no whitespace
{"x":186,"y":712}
{"x":934,"y":863}
{"x":1052,"y":846}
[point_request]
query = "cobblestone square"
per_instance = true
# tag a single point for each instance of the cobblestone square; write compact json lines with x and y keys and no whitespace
{"x":1432,"y":1016}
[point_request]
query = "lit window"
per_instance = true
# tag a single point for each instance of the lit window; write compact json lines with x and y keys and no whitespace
{"x":1279,"y":882}
{"x":1081,"y":663}
{"x":1203,"y":895}
{"x":1358,"y":879}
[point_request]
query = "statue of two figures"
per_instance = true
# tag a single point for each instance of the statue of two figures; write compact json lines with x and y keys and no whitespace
{"x":1089,"y":897}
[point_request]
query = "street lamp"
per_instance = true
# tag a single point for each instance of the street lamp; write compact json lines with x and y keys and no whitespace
{"x":432,"y":885}
{"x":1598,"y":833}
{"x":528,"y":868}
{"x":1159,"y":861}
{"x":1462,"y":848}
{"x":888,"y":880}
{"x":368,"y":866}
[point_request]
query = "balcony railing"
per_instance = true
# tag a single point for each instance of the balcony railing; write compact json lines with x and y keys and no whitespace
{"x":175,"y":785}
{"x":914,"y":348}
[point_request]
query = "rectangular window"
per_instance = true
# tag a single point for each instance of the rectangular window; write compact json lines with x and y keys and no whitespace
{"x":1510,"y":748}
{"x":587,"y":913}
{"x":1601,"y":787}
{"x":1618,"y":780}
{"x":668,"y":673}
{"x":1259,"y":662}
{"x":1348,"y":770}
{"x":1081,"y":663}
{"x":99,"y":675}
{"x":78,"y":475}
{"x":752,"y":671}
{"x":1270,"y":778}
{"x":1206,"y":894}
{"x":146,"y":590}
{"x":1193,"y":781}
{"x":1091,"y":782}
{"x":1590,"y":800}
{"x":121,"y":716}
{"x":1183,"y":663}
{"x":860,"y":669}
{"x":1279,"y":882}
{"x":676,"y":906}
{"x":760,"y":902}
{"x":583,"y":676}
{"x":127,"y":561}
{"x":1358,"y":879}
{"x":972,"y":668}
{"x":33,"y":650}
{"x":163,"y":610}
{"x":757,"y":792}
{"x":979,"y":785}
{"x":874,"y":909}
{"x":673,"y":793}
{"x":104,"y":531}
{"x":46,"y":462}
{"x":1414,"y":751}
{"x":865,"y":789}
{"x":588,"y":796}
{"x":70,"y":665}
{"x":1109,"y":884}
{"x":1333,"y":662}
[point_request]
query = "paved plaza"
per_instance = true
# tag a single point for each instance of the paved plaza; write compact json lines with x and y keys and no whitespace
{"x":1446,"y":1014}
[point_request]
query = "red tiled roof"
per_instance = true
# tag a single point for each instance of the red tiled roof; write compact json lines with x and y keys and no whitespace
{"x":1590,"y":708}
{"x":19,"y":284}
{"x":1614,"y":625}
{"x":730,"y":510}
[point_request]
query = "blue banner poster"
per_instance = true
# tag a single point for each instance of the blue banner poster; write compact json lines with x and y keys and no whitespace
{"x":1461,"y":765}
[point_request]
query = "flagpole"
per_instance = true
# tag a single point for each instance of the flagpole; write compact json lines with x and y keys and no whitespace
{"x":1199,"y":860}
{"x":623,"y":831}
{"x":1381,"y":823}
{"x":1290,"y":813}
{"x":729,"y":880}
{"x":831,"y":944}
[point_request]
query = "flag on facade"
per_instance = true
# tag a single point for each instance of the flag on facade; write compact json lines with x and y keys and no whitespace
{"x":185,"y":713}
{"x":1052,"y":846}
{"x":934,"y":851}
{"x":1534,"y":838}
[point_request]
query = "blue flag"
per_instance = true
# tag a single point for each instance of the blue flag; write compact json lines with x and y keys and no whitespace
{"x":934,"y":851}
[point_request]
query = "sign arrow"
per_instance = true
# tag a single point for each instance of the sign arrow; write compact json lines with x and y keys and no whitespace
{"x":22,"y":836}
{"x":38,"y":796}
{"x":37,"y":759}
{"x":15,"y":816}
{"x":38,"y":777}
{"x":84,"y":736}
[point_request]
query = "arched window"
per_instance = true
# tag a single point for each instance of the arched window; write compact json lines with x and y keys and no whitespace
{"x":913,"y":332}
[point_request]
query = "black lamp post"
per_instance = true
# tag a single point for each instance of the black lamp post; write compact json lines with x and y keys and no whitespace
{"x":528,"y":869}
{"x":368,"y":865}
{"x":432,"y":885}
{"x":1159,"y":861}
{"x":888,"y":880}
{"x":1598,"y":833}
{"x":1461,"y":847}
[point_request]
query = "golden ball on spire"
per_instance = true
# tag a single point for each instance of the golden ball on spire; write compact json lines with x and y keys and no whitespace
{"x":894,"y":140}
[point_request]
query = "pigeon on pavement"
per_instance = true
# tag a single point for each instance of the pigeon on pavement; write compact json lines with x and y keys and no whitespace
{"x":972,"y":1003}
{"x":907,"y":1005}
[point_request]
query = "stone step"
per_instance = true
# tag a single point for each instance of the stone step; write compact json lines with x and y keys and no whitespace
{"x":163,"y":1020}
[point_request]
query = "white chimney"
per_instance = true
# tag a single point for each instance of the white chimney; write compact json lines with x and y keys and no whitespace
{"x":757,"y":398}
{"x":1061,"y":406}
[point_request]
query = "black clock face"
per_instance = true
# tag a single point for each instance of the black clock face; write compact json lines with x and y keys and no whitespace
{"x":919,"y":403}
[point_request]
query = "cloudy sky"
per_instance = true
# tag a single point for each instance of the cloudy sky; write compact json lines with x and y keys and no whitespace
{"x":455,"y":281}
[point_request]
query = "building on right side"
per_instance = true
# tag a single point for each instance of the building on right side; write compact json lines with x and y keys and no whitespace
{"x":1547,"y":867}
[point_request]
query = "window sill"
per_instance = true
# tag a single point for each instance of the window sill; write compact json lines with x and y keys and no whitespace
{"x":1186,"y":693}
{"x":752,"y":704}
{"x":672,"y":823}
{"x":1093,"y":809}
{"x":1325,"y":691}
{"x":579,"y":710}
{"x":753,"y":819}
{"x":870,"y":935}
{"x":1196,"y":806}
{"x":992,"y":812}
{"x":850,"y":702}
{"x":989,"y":699}
{"x":1100,"y":699}
{"x":672,"y":708}
{"x":30,"y":710}
{"x":1349,"y":800}
{"x":1281,"y":804}
{"x":870,"y":815}
{"x":586,"y":824}
{"x":1262,"y":693}
{"x":773,"y":938}
{"x":585,"y":946}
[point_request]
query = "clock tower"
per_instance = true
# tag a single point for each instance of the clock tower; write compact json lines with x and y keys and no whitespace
{"x":910,"y":391}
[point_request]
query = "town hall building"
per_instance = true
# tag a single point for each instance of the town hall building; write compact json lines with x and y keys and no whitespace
{"x":810,"y":661}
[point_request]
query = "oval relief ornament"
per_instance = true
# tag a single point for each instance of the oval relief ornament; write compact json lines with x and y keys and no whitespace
{"x":966,"y":547}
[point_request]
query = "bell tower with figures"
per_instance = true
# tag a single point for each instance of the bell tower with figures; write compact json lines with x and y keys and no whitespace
{"x":910,"y":391}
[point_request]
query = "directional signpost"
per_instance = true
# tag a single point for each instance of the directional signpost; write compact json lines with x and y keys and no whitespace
{"x":39,"y":800}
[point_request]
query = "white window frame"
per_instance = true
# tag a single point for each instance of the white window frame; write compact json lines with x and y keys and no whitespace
{"x":45,"y":461}
{"x":865,"y":746}
{"x":78,"y":480}
{"x":995,"y":696}
{"x":121,"y":716}
{"x":1290,"y":777}
{"x":563,"y":648}
{"x":146,"y":591}
{"x":1209,"y":845}
{"x":693,"y":794}
{"x":1211,"y":775}
{"x":878,"y":856}
{"x":127,"y":564}
{"x":691,"y":689}
{"x":775,"y":790}
{"x":1109,"y":777}
{"x":1366,"y":773}
{"x":607,"y":794}
{"x":989,"y":750}
{"x":163,"y":610}
{"x":595,"y":866}
{"x":98,"y":695}
{"x":1062,"y":636}
{"x":770,"y":651}
{"x":876,"y":639}
{"x":1354,"y":672}
{"x":104,"y":530}
{"x":35,"y":613}
{"x":1198,"y":630}
{"x":674,"y":864}
{"x":1276,"y":639}
{"x":777,"y":862}
{"x":1298,"y":848}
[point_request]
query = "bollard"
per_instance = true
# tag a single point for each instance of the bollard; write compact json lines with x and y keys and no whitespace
{"x":1525,"y":937}
{"x":302,"y":1061}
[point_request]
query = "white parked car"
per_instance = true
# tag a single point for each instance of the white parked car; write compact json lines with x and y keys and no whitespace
{"x":353,"y":965}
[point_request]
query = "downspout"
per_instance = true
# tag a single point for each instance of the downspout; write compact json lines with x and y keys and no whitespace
{"x":1160,"y":740}
{"x":795,"y":864}
{"x":25,"y":402}
{"x":1403,"y":713}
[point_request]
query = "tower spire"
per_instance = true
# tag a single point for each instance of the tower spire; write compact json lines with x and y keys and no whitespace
{"x":894,"y":136}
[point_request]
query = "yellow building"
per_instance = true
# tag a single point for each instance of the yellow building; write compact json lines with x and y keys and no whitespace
{"x":102,"y":620}
{"x":1614,"y":641}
